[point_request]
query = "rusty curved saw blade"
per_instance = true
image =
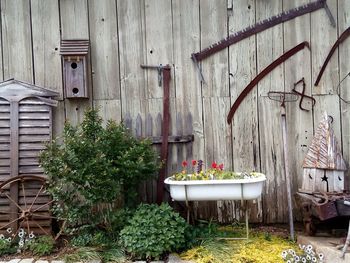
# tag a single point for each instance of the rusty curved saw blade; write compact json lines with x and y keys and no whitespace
{"x":341,"y":39}
{"x":261,"y":26}
{"x":261,"y":75}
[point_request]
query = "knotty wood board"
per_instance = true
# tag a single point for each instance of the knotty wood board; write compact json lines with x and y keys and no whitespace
{"x":269,"y":48}
{"x":46,"y":41}
{"x":104,"y":49}
{"x":299,"y":130}
{"x":323,"y":36}
{"x":75,"y":25}
{"x":242,"y":68}
{"x":344,"y":68}
{"x":16,"y":37}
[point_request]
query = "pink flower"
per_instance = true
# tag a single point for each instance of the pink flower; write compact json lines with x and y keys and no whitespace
{"x":221,"y":166}
{"x":214,"y":165}
{"x":184,"y":163}
{"x":194,"y":162}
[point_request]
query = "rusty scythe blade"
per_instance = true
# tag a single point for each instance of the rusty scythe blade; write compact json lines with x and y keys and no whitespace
{"x":342,"y":37}
{"x":261,"y":26}
{"x":261,"y":75}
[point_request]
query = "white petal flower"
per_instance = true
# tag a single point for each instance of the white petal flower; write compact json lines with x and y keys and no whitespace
{"x":9,"y":239}
{"x":31,"y":235}
{"x":314,"y":259}
{"x":320,"y":256}
{"x":296,"y":258}
{"x":301,"y":246}
{"x":2,"y":236}
{"x":303,"y":260}
{"x":21,"y":243}
{"x":21,"y":234}
{"x":290,"y":251}
{"x":308,"y":257}
{"x":9,"y":230}
{"x":309,"y":247}
{"x":284,"y":254}
{"x":288,"y":261}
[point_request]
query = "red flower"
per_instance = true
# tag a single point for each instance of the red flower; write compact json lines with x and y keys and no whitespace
{"x":194,"y":162}
{"x":221,"y":166}
{"x":184,"y":163}
{"x":214,"y":165}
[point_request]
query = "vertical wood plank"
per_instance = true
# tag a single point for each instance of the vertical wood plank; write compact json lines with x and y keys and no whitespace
{"x":16,"y":36}
{"x":299,"y":122}
{"x":109,"y":110}
{"x":74,"y":25}
{"x":344,"y":68}
{"x":242,"y":67}
{"x":47,"y":61}
{"x":46,"y":40}
{"x":104,"y":49}
{"x":269,"y":48}
{"x":323,"y":36}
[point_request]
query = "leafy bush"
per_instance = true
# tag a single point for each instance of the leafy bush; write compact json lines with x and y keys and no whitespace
{"x":41,"y":246}
{"x":6,"y":247}
{"x":152,"y":231}
{"x":94,"y":166}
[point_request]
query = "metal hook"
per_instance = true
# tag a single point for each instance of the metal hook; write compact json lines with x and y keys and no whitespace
{"x":330,"y":118}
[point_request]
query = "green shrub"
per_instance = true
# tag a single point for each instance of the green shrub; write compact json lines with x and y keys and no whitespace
{"x":93,"y":166}
{"x":41,"y":246}
{"x":152,"y":231}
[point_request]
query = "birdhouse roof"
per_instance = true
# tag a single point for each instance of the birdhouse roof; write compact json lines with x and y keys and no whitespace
{"x":324,"y":152}
{"x":74,"y":47}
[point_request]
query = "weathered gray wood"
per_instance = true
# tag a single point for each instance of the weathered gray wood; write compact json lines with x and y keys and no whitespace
{"x":269,"y":48}
{"x":16,"y":37}
{"x":74,"y":25}
{"x":323,"y":36}
{"x":104,"y":49}
{"x":109,"y":110}
{"x":46,"y":39}
{"x":344,"y":68}
{"x":138,"y":126}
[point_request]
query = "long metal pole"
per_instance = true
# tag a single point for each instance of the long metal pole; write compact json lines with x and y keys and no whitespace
{"x":286,"y":172}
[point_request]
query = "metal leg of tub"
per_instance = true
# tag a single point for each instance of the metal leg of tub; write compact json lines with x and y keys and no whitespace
{"x":244,"y":205}
{"x":187,"y":205}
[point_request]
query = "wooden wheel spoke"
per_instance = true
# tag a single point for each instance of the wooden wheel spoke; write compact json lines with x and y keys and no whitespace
{"x":24,"y":195}
{"x":18,"y":228}
{"x":48,"y":203}
{"x":36,"y":197}
{"x":15,"y":203}
{"x":10,"y":223}
{"x":41,"y":228}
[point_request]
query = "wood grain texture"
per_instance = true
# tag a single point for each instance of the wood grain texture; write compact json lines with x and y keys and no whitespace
{"x":344,"y":68}
{"x":75,"y":25}
{"x":104,"y":49}
{"x":46,"y":39}
{"x":299,"y":122}
{"x":323,"y":36}
{"x":270,"y":47}
{"x":109,"y":110}
{"x":16,"y":37}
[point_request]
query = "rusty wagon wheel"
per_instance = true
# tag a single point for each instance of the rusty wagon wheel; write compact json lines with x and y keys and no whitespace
{"x":24,"y":203}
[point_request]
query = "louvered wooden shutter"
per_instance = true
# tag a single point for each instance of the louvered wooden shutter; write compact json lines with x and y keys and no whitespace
{"x":5,"y":156}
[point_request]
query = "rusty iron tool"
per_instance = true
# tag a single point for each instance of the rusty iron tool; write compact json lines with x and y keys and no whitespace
{"x":303,"y":95}
{"x":163,"y":78}
{"x":261,"y":26}
{"x":341,"y":39}
{"x":261,"y":75}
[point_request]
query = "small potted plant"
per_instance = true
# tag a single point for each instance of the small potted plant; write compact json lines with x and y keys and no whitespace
{"x":194,"y":183}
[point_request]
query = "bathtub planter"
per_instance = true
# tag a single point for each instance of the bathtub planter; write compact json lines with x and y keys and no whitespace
{"x":214,"y":190}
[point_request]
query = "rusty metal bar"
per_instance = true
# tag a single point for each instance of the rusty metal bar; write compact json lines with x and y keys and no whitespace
{"x":261,"y":26}
{"x":261,"y":75}
{"x":341,"y":39}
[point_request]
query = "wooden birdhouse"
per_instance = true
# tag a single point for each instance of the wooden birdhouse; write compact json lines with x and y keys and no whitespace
{"x":324,"y":166}
{"x":74,"y":59}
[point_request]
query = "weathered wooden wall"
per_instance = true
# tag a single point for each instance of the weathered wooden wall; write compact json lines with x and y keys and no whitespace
{"x":127,"y":33}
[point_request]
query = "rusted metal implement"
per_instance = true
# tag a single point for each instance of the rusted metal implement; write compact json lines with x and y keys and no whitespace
{"x":163,"y":77}
{"x":303,"y":95}
{"x":341,"y":39}
{"x":261,"y":75}
{"x":33,"y":207}
{"x":261,"y":26}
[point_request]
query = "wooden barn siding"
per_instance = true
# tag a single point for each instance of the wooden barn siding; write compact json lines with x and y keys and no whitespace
{"x":127,"y":33}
